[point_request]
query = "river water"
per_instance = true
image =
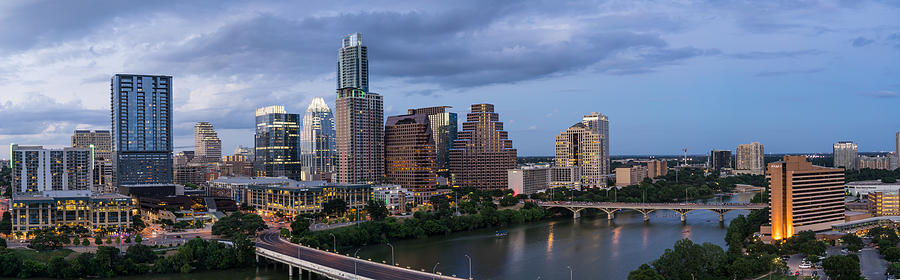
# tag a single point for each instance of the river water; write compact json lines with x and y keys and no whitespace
{"x":593,"y":247}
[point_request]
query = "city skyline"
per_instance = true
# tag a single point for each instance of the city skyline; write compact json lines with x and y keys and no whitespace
{"x":652,"y":56}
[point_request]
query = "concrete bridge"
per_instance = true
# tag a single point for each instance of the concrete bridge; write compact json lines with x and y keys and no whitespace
{"x":646,"y":208}
{"x":330,"y":265}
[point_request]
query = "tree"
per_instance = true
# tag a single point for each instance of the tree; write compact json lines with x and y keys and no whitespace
{"x":854,"y":243}
{"x":841,"y":268}
{"x":377,"y":210}
{"x":58,"y":267}
{"x":891,"y":254}
{"x":76,"y":241}
{"x":335,"y":206}
{"x":299,"y":226}
{"x":508,"y":200}
{"x":894,"y":269}
{"x":137,"y":223}
{"x":889,"y":180}
{"x":2,"y":242}
{"x":6,"y":223}
{"x":46,"y":239}
{"x":140,"y":254}
{"x":687,"y":260}
{"x":128,"y":239}
{"x":138,"y":239}
{"x":237,"y":222}
{"x":644,"y":272}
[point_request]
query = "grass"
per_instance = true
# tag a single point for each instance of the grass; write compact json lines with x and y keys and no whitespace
{"x":41,"y":256}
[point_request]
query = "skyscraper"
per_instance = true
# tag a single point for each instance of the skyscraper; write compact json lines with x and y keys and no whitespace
{"x":409,"y":152}
{"x":36,"y":169}
{"x":719,"y":159}
{"x":845,"y":154}
{"x":803,"y":197}
{"x":317,"y":147}
{"x":277,"y":143}
{"x":750,"y":157}
{"x":582,"y":147}
{"x":353,"y":63}
{"x":142,"y":129}
{"x":483,"y":153}
{"x":207,"y":146}
{"x":360,"y":136}
{"x":443,"y":130}
{"x":599,"y":124}
{"x":101,"y":141}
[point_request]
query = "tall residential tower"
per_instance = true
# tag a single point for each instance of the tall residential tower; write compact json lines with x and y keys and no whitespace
{"x":750,"y":158}
{"x":207,"y":145}
{"x":142,"y":129}
{"x":359,"y":117}
{"x":353,"y":63}
{"x":845,"y":154}
{"x":585,"y":145}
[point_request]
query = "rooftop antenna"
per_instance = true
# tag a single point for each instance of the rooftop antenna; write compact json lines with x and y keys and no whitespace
{"x":684,"y":150}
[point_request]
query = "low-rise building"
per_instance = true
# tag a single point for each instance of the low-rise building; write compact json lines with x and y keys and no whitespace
{"x":529,"y":179}
{"x":884,"y":203}
{"x":565,"y":177}
{"x":236,"y":187}
{"x":305,"y":197}
{"x":877,"y":162}
{"x":657,"y":168}
{"x":49,"y":209}
{"x":863,"y":188}
{"x":626,"y":176}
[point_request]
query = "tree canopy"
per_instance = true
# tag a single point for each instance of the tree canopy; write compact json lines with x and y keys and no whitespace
{"x":377,"y":210}
{"x":841,"y":268}
{"x":335,"y":206}
{"x":247,"y":224}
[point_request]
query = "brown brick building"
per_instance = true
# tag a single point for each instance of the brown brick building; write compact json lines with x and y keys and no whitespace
{"x":483,"y":153}
{"x":409,"y":152}
{"x":803,"y":197}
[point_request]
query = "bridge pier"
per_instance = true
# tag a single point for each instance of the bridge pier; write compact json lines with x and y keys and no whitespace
{"x":683,"y":218}
{"x":291,"y":271}
{"x":610,"y":214}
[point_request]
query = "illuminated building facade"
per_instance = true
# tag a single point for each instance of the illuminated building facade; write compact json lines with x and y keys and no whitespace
{"x":353,"y":63}
{"x":584,"y":147}
{"x":277,"y":143}
{"x":565,"y":177}
{"x":884,"y":203}
{"x":359,"y":125}
{"x":111,"y":212}
{"x":142,"y":129}
{"x":409,"y":152}
{"x":36,"y":169}
{"x":483,"y":153}
{"x":444,"y":127}
{"x":305,"y":197}
{"x":317,"y":147}
{"x":803,"y":197}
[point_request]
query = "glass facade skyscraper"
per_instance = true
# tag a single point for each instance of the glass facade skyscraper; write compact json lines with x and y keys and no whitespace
{"x":141,"y":108}
{"x":317,"y":147}
{"x":353,"y":63}
{"x":277,"y":142}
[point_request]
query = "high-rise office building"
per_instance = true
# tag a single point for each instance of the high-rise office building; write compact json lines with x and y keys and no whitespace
{"x":719,"y":159}
{"x":750,"y":157}
{"x":207,"y":145}
{"x":599,"y":124}
{"x":845,"y":154}
{"x":409,"y":152}
{"x":142,"y":129}
{"x":353,"y":63}
{"x":101,"y":141}
{"x":360,"y":136}
{"x":36,"y":169}
{"x":443,"y":130}
{"x":482,"y":153}
{"x":277,"y":143}
{"x":317,"y":146}
{"x":803,"y":197}
{"x":656,"y":168}
{"x":582,"y":145}
{"x":529,"y":179}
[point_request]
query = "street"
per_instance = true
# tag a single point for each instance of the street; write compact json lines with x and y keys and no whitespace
{"x":871,"y":264}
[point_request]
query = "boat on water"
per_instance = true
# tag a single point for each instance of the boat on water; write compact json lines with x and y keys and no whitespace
{"x":501,"y":233}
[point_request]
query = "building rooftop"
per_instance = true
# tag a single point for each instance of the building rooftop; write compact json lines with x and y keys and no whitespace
{"x":872,"y":182}
{"x":254,"y":180}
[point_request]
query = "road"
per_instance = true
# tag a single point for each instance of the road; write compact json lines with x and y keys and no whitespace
{"x":270,"y":240}
{"x":871,"y":264}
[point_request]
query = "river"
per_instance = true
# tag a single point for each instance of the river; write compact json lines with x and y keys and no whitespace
{"x":593,"y":247}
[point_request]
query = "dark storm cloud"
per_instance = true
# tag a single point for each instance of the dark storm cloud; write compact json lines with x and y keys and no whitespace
{"x":861,"y":42}
{"x":41,"y":114}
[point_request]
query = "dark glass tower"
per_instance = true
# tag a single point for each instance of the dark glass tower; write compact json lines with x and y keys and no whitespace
{"x":142,"y":129}
{"x":277,"y":142}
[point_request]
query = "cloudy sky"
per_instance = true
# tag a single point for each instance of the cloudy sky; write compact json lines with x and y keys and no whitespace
{"x":795,"y":75}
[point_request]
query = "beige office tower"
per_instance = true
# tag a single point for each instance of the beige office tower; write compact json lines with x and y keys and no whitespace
{"x":750,"y":158}
{"x":627,"y":176}
{"x":803,"y":197}
{"x":656,"y":168}
{"x":585,"y":145}
{"x":101,"y":141}
{"x":359,"y":124}
{"x":845,"y":154}
{"x":443,"y":130}
{"x":482,"y":153}
{"x":207,"y":146}
{"x":409,"y":152}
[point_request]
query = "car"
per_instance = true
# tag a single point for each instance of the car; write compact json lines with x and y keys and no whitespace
{"x":805,"y":265}
{"x":844,"y":251}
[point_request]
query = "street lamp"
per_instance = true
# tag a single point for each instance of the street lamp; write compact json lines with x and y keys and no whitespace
{"x":355,"y":261}
{"x":334,"y":242}
{"x":392,"y":254}
{"x":470,"y":266}
{"x":570,"y":272}
{"x":434,"y":269}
